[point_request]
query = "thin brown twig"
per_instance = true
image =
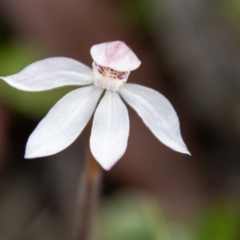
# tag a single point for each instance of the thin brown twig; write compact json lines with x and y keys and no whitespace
{"x":88,"y":199}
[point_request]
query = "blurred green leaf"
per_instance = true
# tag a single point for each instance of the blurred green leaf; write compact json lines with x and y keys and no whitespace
{"x":137,"y":12}
{"x":219,"y":222}
{"x":128,"y":217}
{"x":136,"y":216}
{"x":231,"y":9}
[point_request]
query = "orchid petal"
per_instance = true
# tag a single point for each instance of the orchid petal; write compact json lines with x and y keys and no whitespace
{"x":63,"y":123}
{"x":116,"y":55}
{"x":157,"y":113}
{"x":51,"y":73}
{"x":110,"y":130}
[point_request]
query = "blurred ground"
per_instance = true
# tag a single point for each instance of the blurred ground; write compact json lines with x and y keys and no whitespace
{"x":190,"y":52}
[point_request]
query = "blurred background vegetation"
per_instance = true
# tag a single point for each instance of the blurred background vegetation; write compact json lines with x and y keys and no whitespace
{"x":190,"y":52}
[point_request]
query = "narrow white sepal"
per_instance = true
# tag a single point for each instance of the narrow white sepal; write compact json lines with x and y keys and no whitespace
{"x":157,"y":113}
{"x":51,"y":73}
{"x":110,"y":130}
{"x":63,"y":123}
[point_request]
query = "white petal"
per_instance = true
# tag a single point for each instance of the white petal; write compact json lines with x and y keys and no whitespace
{"x":157,"y":113}
{"x":116,"y":55}
{"x":110,"y":130}
{"x":51,"y":73}
{"x":63,"y":123}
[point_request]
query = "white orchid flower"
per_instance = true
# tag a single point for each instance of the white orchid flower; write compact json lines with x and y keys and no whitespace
{"x":104,"y":88}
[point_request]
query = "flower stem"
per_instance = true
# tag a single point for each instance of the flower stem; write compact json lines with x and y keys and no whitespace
{"x":88,"y":199}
